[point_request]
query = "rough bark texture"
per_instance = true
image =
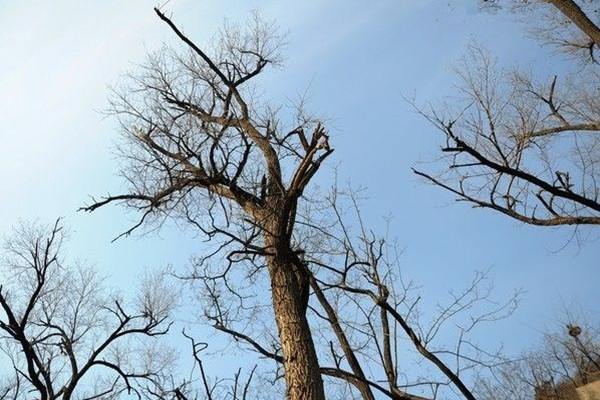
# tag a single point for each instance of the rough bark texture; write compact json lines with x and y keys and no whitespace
{"x":302,"y":375}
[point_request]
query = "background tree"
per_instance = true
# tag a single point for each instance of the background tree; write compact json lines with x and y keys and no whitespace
{"x":522,"y":145}
{"x":65,"y":337}
{"x":569,"y":25}
{"x":566,"y":359}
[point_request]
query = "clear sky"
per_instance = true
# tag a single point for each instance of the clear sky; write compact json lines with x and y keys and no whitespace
{"x":357,"y":59}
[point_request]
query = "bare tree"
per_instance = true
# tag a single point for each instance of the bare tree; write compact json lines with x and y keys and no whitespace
{"x":367,"y":323}
{"x":564,"y":361}
{"x":375,"y":316}
{"x":201,"y":147}
{"x":569,"y":25}
{"x":198,"y":384}
{"x":522,"y":145}
{"x":62,"y":336}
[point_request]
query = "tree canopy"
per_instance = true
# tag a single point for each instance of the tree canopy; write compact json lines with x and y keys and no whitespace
{"x":523,"y":145}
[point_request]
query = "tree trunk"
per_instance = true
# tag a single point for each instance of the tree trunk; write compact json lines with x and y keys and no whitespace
{"x":302,"y":375}
{"x":571,"y":10}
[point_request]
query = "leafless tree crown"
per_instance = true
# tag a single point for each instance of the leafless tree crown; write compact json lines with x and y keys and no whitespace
{"x":199,"y":145}
{"x":553,"y":370}
{"x":522,"y":145}
{"x":62,"y":336}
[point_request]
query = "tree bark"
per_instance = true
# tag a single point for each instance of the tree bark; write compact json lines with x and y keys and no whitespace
{"x":301,"y":366}
{"x":571,"y":10}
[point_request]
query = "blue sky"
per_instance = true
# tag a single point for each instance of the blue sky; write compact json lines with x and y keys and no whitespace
{"x":357,"y":59}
